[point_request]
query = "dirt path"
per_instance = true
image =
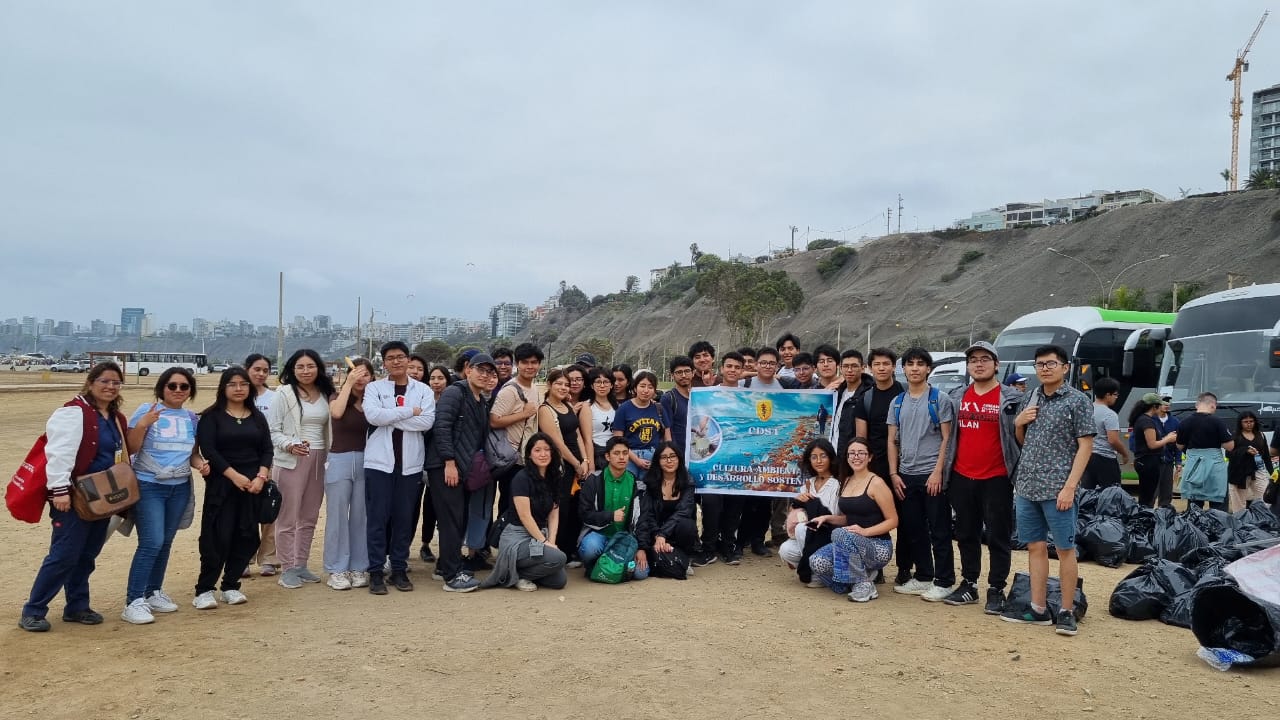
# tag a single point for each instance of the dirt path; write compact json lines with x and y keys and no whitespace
{"x":744,"y":642}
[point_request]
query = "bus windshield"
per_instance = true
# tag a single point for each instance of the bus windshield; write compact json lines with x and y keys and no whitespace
{"x":1234,"y":366}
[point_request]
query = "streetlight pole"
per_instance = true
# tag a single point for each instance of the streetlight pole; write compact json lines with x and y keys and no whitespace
{"x":1102,"y":285}
{"x":1117,"y":277}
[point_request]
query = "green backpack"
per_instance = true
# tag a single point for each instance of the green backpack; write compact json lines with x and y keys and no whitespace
{"x":617,"y":562}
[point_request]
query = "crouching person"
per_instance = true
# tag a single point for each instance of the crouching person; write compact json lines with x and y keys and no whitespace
{"x":527,"y":554}
{"x":860,"y":543}
{"x":609,"y":504}
{"x":818,"y":496}
{"x":669,"y":514}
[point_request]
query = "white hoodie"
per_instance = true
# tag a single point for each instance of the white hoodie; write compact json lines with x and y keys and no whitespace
{"x":381,"y":411}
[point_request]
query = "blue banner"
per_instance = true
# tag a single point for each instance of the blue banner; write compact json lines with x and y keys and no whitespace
{"x":749,"y":442}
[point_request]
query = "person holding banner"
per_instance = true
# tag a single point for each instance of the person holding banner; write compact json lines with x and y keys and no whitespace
{"x":860,"y":543}
{"x":721,"y":514}
{"x":641,"y":423}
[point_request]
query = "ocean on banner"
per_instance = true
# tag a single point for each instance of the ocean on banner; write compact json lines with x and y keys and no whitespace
{"x":749,"y":442}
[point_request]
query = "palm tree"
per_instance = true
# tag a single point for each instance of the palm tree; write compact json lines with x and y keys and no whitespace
{"x":602,"y":348}
{"x":1226,"y":178}
{"x":1262,"y":179}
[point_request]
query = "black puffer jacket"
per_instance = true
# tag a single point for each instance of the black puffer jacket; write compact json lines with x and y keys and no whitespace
{"x":462,"y":422}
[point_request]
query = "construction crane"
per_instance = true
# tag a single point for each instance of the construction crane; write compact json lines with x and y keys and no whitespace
{"x":1241,"y":67}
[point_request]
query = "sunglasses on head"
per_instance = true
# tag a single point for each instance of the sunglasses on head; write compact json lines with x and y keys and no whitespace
{"x":178,"y":387}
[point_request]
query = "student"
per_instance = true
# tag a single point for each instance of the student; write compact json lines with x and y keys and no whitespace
{"x":1171,"y":465}
{"x":1203,"y":437}
{"x":766,"y":375}
{"x":920,"y":423}
{"x":401,"y":411}
{"x":669,"y":528}
{"x":505,"y":360}
{"x":1249,"y":468}
{"x":438,"y":379}
{"x":577,"y":378}
{"x":802,"y":368}
{"x":609,"y":503}
{"x":854,"y":382}
{"x":757,"y":512}
{"x":722,"y":514}
{"x":528,"y":556}
{"x":259,"y":369}
{"x":981,"y":460}
{"x":460,"y":432}
{"x":515,"y":409}
{"x":622,"y":388}
{"x":818,"y":496}
{"x":870,"y":413}
{"x":642,"y":423}
{"x":827,"y":362}
{"x":567,"y":430}
{"x":787,"y":346}
{"x":603,"y":406}
{"x":345,"y":531}
{"x":675,"y":404}
{"x":1148,"y":459}
{"x":748,"y":362}
{"x":1109,"y":451}
{"x":860,"y":543}
{"x":1055,"y":428}
{"x":703,"y":355}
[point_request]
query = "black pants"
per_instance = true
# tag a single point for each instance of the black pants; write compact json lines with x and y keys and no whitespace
{"x":1164,"y":498}
{"x":228,"y":535}
{"x":450,"y":504}
{"x":756,"y":512}
{"x":504,"y":488}
{"x":570,"y":521}
{"x":977,"y":503}
{"x":721,"y":516}
{"x":1148,"y":467}
{"x":1101,"y":472}
{"x":391,"y":502}
{"x":428,"y":514}
{"x":925,"y":522}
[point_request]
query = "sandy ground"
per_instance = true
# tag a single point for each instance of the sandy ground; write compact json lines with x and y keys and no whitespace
{"x":744,"y":642}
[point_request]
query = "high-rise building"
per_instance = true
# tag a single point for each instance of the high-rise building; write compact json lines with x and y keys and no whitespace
{"x":131,"y":321}
{"x":201,"y":327}
{"x":46,"y":327}
{"x":507,"y":319}
{"x":64,"y":328}
{"x":149,"y":324}
{"x":29,"y":325}
{"x":1264,"y":131}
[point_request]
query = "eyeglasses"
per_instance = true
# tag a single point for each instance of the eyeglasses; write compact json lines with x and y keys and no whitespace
{"x":502,"y":363}
{"x":766,"y":363}
{"x":683,"y":371}
{"x":602,"y":381}
{"x":178,"y":387}
{"x":980,"y":360}
{"x":859,"y":454}
{"x":1048,"y":365}
{"x":395,"y":358}
{"x":108,"y":383}
{"x":237,"y":386}
{"x":484,"y":370}
{"x":803,"y":368}
{"x":669,"y":456}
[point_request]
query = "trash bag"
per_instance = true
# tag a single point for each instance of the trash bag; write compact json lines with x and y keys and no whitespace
{"x":1020,"y":596}
{"x":1086,"y":503}
{"x":1105,"y":540}
{"x":1141,"y":526}
{"x":1260,"y":516}
{"x":1148,"y":590}
{"x":1216,"y":525}
{"x":1115,"y":502}
{"x":1211,"y":573}
{"x":1224,"y":616}
{"x":1250,"y":538}
{"x":1176,"y":537}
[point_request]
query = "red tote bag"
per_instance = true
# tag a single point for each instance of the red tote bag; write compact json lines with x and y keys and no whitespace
{"x":26,"y":494}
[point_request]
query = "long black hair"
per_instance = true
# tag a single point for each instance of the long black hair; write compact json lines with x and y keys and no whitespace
{"x":220,"y":400}
{"x":653,"y":476}
{"x":589,"y":391}
{"x":1140,"y":408}
{"x":323,"y":382}
{"x":806,"y":466}
{"x":545,"y":487}
{"x":1257,"y":430}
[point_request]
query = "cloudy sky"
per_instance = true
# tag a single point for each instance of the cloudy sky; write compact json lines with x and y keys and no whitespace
{"x":438,"y":158}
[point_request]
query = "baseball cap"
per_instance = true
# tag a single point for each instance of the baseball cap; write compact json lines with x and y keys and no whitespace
{"x":1152,"y":399}
{"x":587,"y":359}
{"x":1015,"y":378}
{"x":472,"y":352}
{"x":981,"y":345}
{"x":478,"y":358}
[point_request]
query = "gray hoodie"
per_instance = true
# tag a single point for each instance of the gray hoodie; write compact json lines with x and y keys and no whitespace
{"x":1009,"y":398}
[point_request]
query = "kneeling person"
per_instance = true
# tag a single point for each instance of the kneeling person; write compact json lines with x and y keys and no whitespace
{"x":671,"y":532}
{"x":527,"y":553}
{"x":609,"y":503}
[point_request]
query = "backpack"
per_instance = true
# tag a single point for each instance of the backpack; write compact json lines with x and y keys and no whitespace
{"x":896,"y":408}
{"x":617,"y":562}
{"x":498,"y":451}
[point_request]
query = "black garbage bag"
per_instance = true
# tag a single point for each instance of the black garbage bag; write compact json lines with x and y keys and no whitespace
{"x":1115,"y":502}
{"x":1105,"y":540}
{"x":1250,"y":537}
{"x":1216,"y":525}
{"x":1149,"y":589}
{"x":1259,"y":515}
{"x":1141,"y":525}
{"x":1086,"y":503}
{"x":1179,"y":611}
{"x":1177,"y":536}
{"x":1223,"y":616}
{"x":1019,"y":598}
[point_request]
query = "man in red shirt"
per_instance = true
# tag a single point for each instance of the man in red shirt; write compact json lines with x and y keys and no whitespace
{"x":980,"y":465}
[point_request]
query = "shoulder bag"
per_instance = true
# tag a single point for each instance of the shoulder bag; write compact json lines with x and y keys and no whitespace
{"x":100,"y":495}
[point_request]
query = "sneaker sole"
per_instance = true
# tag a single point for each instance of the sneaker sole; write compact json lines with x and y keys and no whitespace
{"x":155,"y":609}
{"x":142,"y":621}
{"x":989,"y":611}
{"x":917,"y":593}
{"x":1068,"y":633}
{"x":461,"y":590}
{"x":958,"y":603}
{"x":926,"y":598}
{"x":377,"y":591}
{"x":1020,"y":621}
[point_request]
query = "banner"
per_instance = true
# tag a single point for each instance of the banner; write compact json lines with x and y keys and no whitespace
{"x":749,"y":442}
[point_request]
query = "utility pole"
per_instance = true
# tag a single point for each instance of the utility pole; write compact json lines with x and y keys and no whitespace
{"x":1175,"y":296}
{"x":899,"y":213}
{"x":888,"y":218}
{"x":793,"y":238}
{"x":280,"y":325}
{"x":357,"y":324}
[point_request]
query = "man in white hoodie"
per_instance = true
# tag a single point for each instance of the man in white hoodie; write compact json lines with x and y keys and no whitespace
{"x":401,"y":411}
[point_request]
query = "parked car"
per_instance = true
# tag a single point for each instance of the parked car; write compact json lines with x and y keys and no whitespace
{"x":220,"y":367}
{"x":72,"y":366}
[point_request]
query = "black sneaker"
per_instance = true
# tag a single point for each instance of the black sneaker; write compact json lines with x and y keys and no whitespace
{"x":1066,"y":624}
{"x":1028,"y":617}
{"x":758,"y":549}
{"x":734,"y":557}
{"x":377,"y":586}
{"x":426,"y":555}
{"x":703,"y":559}
{"x":475,"y":562}
{"x":904,"y":577}
{"x":964,"y":594}
{"x":879,"y":577}
{"x":995,"y":601}
{"x":31,"y":623}
{"x":84,"y":617}
{"x":401,"y":581}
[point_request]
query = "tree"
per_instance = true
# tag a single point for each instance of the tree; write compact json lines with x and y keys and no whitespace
{"x":434,"y":351}
{"x":1262,"y":179}
{"x":602,"y":348}
{"x":749,"y":294}
{"x":706,"y":261}
{"x":694,"y":253}
{"x":1125,"y":298}
{"x":1186,"y":292}
{"x":821,"y":244}
{"x":1226,"y":178}
{"x":575,"y":300}
{"x":633,"y":284}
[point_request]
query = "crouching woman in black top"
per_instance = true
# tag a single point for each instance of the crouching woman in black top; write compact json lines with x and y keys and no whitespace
{"x":234,"y":439}
{"x":670,"y":531}
{"x":527,"y":554}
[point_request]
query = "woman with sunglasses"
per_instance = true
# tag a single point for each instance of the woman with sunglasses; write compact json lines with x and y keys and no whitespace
{"x":860,"y":542}
{"x":165,"y":433}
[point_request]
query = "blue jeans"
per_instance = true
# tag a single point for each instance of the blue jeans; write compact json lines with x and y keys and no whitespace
{"x":73,"y":555}
{"x":1037,"y":519}
{"x":591,"y":547}
{"x":156,"y":518}
{"x":647,"y":454}
{"x":479,"y":515}
{"x":391,"y":501}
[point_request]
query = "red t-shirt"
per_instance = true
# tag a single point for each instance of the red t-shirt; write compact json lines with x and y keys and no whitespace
{"x":978,"y":452}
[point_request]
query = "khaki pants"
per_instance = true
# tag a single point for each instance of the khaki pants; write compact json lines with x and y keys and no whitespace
{"x":267,"y":548}
{"x":1238,"y":498}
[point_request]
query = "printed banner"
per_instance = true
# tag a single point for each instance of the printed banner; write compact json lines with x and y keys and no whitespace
{"x":748,"y":442}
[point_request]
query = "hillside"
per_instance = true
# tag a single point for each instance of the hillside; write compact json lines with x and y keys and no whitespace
{"x":900,"y":278}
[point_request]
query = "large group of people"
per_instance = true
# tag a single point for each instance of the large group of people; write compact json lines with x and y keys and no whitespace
{"x":595,"y":469}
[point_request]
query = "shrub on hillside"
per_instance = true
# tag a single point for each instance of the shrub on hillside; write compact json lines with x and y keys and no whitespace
{"x":821,"y":244}
{"x":837,"y":259}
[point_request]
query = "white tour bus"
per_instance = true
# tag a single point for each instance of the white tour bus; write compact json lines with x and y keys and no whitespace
{"x":144,"y":363}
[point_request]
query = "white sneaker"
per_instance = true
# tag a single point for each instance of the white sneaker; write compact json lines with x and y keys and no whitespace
{"x":526,"y":585}
{"x":913,"y":587}
{"x":936,"y":593}
{"x":159,"y":602}
{"x":339,"y":581}
{"x":234,"y":597}
{"x":814,"y":583}
{"x":138,"y":613}
{"x":205,"y":601}
{"x":359,"y":579}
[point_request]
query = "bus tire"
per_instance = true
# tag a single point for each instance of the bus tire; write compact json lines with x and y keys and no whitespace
{"x":143,"y":372}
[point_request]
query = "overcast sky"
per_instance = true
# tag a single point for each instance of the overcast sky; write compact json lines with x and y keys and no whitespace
{"x":438,"y":158}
